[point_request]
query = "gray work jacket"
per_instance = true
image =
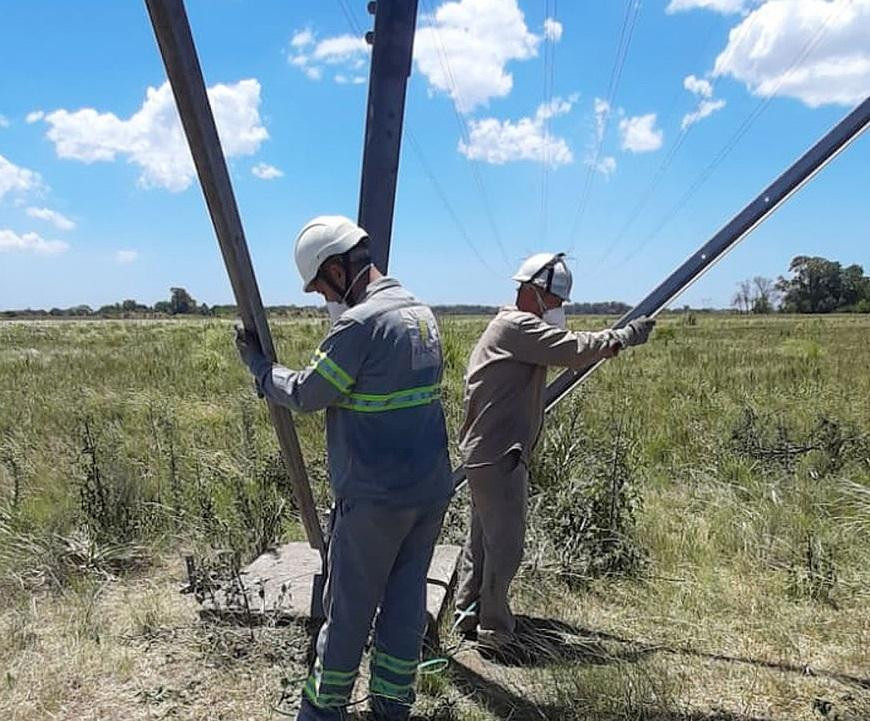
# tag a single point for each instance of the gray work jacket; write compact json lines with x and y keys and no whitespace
{"x":378,"y":375}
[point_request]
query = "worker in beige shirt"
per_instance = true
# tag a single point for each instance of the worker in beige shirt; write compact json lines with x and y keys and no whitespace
{"x":504,"y":411}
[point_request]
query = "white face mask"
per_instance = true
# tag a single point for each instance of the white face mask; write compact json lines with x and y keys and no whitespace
{"x":553,"y":316}
{"x":335,"y":309}
{"x":556,"y":317}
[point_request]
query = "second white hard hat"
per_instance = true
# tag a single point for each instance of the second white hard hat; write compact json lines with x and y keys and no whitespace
{"x":321,"y":238}
{"x":547,"y":271}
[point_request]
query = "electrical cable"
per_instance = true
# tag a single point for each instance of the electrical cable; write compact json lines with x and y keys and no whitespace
{"x":629,"y":22}
{"x":549,"y":65}
{"x":455,"y":102}
{"x":356,"y":28}
{"x":439,"y":191}
{"x":732,"y":142}
{"x":660,"y":172}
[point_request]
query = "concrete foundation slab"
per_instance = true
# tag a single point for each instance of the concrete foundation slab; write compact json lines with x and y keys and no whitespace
{"x":277,"y":587}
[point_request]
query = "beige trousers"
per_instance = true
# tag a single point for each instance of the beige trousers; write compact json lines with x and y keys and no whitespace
{"x":494,"y":546}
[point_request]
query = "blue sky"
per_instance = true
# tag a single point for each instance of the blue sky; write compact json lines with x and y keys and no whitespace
{"x":508,"y":103}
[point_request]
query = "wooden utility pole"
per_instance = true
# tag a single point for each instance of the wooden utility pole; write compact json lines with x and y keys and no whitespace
{"x":174,"y":38}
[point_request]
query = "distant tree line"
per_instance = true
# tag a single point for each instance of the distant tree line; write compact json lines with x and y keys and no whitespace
{"x":610,"y":307}
{"x":817,"y":285}
{"x":180,"y":303}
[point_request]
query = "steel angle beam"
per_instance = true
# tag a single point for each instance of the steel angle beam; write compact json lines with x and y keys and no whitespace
{"x":392,"y":45}
{"x":174,"y":38}
{"x":768,"y":200}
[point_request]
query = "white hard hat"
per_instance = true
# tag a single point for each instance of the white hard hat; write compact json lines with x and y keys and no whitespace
{"x":321,"y":238}
{"x":548,"y":271}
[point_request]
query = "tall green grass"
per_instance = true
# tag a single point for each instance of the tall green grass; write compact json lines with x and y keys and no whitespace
{"x":708,"y":493}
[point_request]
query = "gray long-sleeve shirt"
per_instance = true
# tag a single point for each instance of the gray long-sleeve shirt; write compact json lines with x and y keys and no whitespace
{"x":507,"y":373}
{"x":378,"y":374}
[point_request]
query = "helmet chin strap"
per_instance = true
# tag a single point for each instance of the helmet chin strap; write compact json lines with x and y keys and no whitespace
{"x":541,"y":305}
{"x":346,"y":297}
{"x":345,"y":293}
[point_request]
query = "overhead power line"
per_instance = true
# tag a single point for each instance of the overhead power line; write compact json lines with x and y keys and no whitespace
{"x":735,"y":138}
{"x":442,"y":196}
{"x":549,"y":66}
{"x":664,"y":166}
{"x":629,"y":22}
{"x":456,"y":101}
{"x":356,"y":28}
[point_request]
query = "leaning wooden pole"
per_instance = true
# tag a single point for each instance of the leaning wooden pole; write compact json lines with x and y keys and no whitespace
{"x":175,"y":40}
{"x":800,"y":172}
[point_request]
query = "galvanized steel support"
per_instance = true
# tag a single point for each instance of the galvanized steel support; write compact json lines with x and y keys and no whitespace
{"x":174,"y":38}
{"x":392,"y":46}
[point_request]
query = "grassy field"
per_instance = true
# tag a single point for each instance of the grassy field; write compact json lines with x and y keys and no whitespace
{"x":699,"y":545}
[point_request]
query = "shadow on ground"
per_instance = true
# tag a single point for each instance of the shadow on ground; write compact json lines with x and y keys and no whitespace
{"x":505,"y":704}
{"x":544,"y":642}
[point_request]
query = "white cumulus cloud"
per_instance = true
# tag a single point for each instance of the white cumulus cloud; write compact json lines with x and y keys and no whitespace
{"x":553,"y":30}
{"x":343,"y":79}
{"x":698,"y":86}
{"x":706,"y":104}
{"x":12,"y":242}
{"x":264,"y":171}
{"x":15,"y":179}
{"x":34,"y":117}
{"x":725,"y":7}
{"x":4,"y":121}
{"x":817,"y":51}
{"x":341,"y":49}
{"x":602,"y":110}
{"x":606,"y":165}
{"x":152,"y":138}
{"x":639,"y":134}
{"x":125,"y":257}
{"x":58,"y":220}
{"x":464,"y":49}
{"x":503,"y":141}
{"x":705,"y":109}
{"x":346,"y":53}
{"x":302,"y":39}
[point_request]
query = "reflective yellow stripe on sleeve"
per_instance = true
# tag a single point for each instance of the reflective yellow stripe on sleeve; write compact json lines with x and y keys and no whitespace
{"x":379,"y":403}
{"x":331,"y":371}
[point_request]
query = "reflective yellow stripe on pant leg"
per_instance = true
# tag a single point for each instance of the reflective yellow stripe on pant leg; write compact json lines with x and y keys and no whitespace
{"x":392,"y":677}
{"x":329,"y":688}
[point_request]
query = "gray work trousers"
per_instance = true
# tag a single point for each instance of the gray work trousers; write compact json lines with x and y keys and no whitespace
{"x":494,"y":546}
{"x":378,"y":556}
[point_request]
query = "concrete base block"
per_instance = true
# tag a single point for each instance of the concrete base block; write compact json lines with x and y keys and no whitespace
{"x":279,"y":587}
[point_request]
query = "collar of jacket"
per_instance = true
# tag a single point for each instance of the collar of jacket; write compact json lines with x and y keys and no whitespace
{"x":377,"y":286}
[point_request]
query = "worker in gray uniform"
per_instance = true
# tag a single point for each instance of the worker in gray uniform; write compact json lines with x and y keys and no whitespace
{"x":377,"y":373}
{"x":504,"y":411}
